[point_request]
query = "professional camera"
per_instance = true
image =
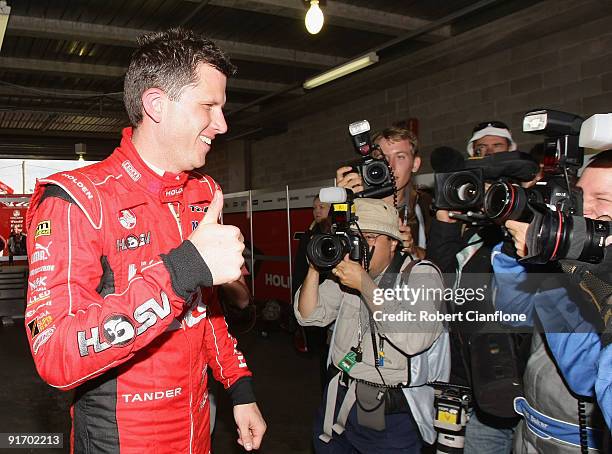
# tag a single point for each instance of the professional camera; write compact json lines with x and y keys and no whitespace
{"x":459,"y":184}
{"x":557,"y":229}
{"x":562,"y":158}
{"x":325,"y":251}
{"x":377,"y":175}
{"x":452,"y":405}
{"x":554,"y":235}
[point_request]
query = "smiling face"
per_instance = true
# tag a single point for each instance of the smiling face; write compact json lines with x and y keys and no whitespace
{"x":190,"y":123}
{"x":596,"y":185}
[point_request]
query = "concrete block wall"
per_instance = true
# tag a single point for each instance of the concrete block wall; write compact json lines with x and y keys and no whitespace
{"x":567,"y":70}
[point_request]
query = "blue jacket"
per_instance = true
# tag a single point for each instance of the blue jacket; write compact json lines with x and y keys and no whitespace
{"x":603,"y":384}
{"x":573,"y":341}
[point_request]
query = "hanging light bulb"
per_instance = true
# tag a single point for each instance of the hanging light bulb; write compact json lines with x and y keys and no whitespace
{"x":314,"y":18}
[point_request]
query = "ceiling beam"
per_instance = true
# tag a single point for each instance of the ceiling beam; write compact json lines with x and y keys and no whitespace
{"x":61,"y":67}
{"x":16,"y":132}
{"x":80,"y":95}
{"x":343,"y":15}
{"x":104,"y":71}
{"x":109,"y":114}
{"x":36,"y":27}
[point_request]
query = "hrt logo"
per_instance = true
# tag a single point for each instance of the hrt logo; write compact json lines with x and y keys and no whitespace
{"x":119,"y":330}
{"x":132,"y":242}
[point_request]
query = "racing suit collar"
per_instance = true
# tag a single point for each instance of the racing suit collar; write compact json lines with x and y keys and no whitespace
{"x":169,"y":187}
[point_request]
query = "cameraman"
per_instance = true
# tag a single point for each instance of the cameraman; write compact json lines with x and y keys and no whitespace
{"x":564,"y":360}
{"x":374,"y":361}
{"x":463,"y":253}
{"x":399,"y":145}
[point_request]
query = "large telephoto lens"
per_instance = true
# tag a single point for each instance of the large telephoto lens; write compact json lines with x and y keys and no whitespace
{"x":375,"y":172}
{"x":561,"y":236}
{"x":463,"y":190}
{"x":326,"y":251}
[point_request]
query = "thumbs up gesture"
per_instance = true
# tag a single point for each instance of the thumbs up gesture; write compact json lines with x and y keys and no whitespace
{"x":219,"y":245}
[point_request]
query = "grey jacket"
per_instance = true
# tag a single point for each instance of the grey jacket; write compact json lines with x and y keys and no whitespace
{"x":426,"y":342}
{"x":545,"y":391}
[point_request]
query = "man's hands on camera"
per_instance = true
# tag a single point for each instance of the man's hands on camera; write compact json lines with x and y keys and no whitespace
{"x":445,"y":216}
{"x":219,"y":245}
{"x":518,"y":231}
{"x":349,"y":179}
{"x":350,"y":273}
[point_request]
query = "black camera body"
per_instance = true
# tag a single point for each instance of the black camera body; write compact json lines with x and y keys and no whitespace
{"x":506,"y":200}
{"x":325,"y":251}
{"x":376,"y":173}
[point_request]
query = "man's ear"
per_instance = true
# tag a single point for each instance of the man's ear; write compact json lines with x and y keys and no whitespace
{"x":416,"y":164}
{"x":153,"y":103}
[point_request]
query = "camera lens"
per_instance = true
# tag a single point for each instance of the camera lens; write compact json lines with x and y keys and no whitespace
{"x":505,"y":201}
{"x":326,"y":251}
{"x":375,"y":173}
{"x":467,"y":192}
{"x":560,"y":236}
{"x":328,"y":248}
{"x":463,"y":190}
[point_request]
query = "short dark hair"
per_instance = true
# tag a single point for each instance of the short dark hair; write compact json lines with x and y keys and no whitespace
{"x":602,"y":160}
{"x":169,"y":60}
{"x":396,"y":132}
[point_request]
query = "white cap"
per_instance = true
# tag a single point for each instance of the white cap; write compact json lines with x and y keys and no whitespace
{"x":491,"y":131}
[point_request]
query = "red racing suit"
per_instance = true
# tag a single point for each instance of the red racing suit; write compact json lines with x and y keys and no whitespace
{"x":121,"y":307}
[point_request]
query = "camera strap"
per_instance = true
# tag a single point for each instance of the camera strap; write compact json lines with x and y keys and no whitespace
{"x":388,"y":280}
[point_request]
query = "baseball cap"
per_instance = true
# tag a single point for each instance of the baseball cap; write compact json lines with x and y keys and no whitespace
{"x":377,"y":217}
{"x":490,"y":128}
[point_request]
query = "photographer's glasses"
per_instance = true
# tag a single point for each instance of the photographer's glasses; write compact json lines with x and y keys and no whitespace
{"x":486,"y":124}
{"x":371,"y":237}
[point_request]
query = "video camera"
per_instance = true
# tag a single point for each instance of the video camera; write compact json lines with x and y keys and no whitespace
{"x":553,"y":207}
{"x":460,"y":184}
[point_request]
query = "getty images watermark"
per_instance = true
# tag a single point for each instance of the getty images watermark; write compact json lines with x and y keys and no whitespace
{"x":391,"y":300}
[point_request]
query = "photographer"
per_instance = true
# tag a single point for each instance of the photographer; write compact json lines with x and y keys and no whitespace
{"x":399,"y":146}
{"x":381,"y":365}
{"x":463,"y":253}
{"x":564,"y":359}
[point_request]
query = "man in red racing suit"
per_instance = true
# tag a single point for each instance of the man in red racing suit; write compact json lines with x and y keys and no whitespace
{"x":121,"y":303}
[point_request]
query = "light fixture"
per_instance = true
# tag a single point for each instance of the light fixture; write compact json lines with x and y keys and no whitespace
{"x":80,"y":150}
{"x":342,"y":70}
{"x":5,"y":11}
{"x":314,"y":18}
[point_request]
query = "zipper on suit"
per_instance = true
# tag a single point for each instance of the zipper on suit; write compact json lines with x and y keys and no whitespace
{"x":177,"y":217}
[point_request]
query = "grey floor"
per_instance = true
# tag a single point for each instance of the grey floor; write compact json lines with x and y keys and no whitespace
{"x":286,"y":383}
